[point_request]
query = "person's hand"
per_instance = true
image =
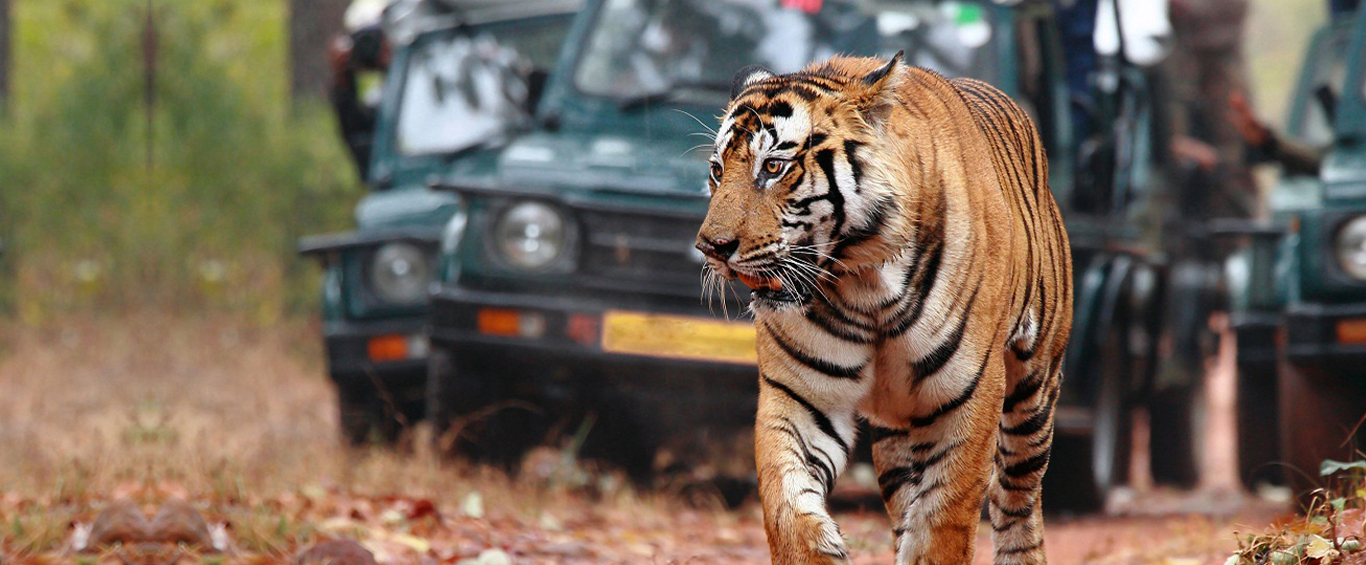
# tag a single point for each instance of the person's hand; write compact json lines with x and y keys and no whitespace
{"x":1254,"y":132}
{"x":1190,"y":149}
{"x":339,"y":55}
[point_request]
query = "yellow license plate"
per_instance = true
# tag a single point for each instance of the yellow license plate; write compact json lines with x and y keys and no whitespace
{"x":678,"y":337}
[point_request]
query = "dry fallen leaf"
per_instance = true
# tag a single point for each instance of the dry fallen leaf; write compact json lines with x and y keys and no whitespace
{"x":473,"y":506}
{"x":489,"y":557}
{"x":1320,"y":548}
{"x":336,"y":552}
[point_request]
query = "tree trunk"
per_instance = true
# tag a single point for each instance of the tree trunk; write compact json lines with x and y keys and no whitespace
{"x":4,"y":56}
{"x":312,"y":25}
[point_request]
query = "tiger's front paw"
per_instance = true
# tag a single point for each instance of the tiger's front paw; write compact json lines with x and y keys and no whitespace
{"x":806,"y":539}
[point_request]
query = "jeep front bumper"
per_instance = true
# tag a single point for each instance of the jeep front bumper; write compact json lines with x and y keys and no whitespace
{"x":573,"y":328}
{"x":388,"y":353}
{"x":1329,"y":336}
{"x":568,"y":356}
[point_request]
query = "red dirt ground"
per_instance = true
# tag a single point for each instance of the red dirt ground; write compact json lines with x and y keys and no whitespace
{"x":240,"y":421}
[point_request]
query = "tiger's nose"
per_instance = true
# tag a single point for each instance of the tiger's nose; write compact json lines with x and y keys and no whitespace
{"x":719,"y":249}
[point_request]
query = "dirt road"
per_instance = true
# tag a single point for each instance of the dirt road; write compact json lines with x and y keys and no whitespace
{"x":240,"y":421}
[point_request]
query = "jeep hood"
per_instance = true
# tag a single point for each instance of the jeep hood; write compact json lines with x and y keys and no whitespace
{"x":414,"y":206}
{"x":411,"y":204}
{"x":562,"y":162}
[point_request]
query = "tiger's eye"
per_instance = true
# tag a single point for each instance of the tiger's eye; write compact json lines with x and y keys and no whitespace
{"x":716,"y":172}
{"x":773,"y":166}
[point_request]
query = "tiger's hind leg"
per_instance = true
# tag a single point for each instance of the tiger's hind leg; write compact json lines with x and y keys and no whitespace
{"x":934,"y":473}
{"x":1026,"y":438}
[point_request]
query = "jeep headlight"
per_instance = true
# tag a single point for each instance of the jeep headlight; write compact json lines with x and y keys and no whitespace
{"x":531,"y":235}
{"x":1351,"y":247}
{"x":399,"y":273}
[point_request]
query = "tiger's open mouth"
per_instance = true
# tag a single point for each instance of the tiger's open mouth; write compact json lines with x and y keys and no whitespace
{"x":771,"y":288}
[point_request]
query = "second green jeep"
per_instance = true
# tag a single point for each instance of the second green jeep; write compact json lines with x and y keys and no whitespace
{"x":462,"y":82}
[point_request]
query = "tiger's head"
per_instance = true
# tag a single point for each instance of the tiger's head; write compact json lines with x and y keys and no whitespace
{"x":794,"y":179}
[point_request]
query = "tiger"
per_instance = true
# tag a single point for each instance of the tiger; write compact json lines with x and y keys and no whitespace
{"x":909,"y":268}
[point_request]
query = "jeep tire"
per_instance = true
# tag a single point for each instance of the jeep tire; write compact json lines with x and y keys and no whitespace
{"x":1083,"y":469}
{"x":475,"y":417}
{"x":363,"y":415}
{"x":1259,"y":443}
{"x":1321,"y":413}
{"x":1176,"y":422}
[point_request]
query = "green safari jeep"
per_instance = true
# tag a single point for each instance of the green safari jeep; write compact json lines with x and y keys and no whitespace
{"x":1299,"y":286}
{"x":454,"y":88}
{"x":570,"y":300}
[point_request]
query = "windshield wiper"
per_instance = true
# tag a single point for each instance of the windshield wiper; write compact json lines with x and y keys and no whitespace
{"x":666,"y":94}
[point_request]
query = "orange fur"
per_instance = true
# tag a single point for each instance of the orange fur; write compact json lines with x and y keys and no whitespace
{"x":923,"y":283}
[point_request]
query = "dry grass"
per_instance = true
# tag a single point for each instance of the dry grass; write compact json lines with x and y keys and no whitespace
{"x":241,"y":421}
{"x":96,"y":403}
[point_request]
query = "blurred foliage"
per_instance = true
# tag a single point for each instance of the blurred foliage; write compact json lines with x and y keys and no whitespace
{"x":237,"y":171}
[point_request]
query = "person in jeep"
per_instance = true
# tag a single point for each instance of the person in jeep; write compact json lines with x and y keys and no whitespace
{"x":363,"y":49}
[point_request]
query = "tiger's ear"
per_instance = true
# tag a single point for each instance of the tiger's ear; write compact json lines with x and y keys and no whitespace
{"x":747,"y":76}
{"x":870,"y":92}
{"x":878,"y":78}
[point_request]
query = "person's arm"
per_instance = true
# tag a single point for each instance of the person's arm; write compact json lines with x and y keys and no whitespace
{"x":1297,"y":158}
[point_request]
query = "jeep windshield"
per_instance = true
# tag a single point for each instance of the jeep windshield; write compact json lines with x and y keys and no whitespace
{"x":463,"y":90}
{"x":641,"y":50}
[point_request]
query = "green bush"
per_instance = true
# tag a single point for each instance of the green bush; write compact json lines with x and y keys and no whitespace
{"x":196,"y":206}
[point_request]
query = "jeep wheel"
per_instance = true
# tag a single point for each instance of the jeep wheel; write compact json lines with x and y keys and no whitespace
{"x":1176,"y":421}
{"x":1083,"y":469}
{"x":474,"y":417}
{"x":1318,"y":412}
{"x":363,"y":416}
{"x":1176,"y":403}
{"x":448,"y":400}
{"x":1259,"y":445}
